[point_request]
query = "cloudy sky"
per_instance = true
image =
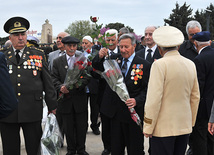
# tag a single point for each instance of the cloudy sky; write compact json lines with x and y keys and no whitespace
{"x":134,"y":13}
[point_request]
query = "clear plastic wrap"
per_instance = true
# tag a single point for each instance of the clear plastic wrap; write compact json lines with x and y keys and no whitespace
{"x":51,"y":140}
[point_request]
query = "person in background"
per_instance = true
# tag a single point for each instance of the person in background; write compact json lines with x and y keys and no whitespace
{"x":202,"y":140}
{"x":32,"y":41}
{"x":92,"y":87}
{"x":141,"y":45}
{"x":7,"y":44}
{"x":187,"y":48}
{"x":30,"y":77}
{"x":173,"y":96}
{"x":61,"y":49}
{"x":150,"y":52}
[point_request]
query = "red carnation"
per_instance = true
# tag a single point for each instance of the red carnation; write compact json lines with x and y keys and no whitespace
{"x":94,"y":19}
{"x":88,"y":51}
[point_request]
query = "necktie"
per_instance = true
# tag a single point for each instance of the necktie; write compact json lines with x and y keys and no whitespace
{"x":149,"y":56}
{"x":124,"y":67}
{"x":17,"y":56}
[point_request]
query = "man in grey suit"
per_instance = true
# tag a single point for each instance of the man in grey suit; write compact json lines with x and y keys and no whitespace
{"x":61,"y":50}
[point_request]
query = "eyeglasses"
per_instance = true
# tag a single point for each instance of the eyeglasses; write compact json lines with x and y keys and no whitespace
{"x":192,"y":34}
{"x":110,"y":39}
{"x":60,"y":38}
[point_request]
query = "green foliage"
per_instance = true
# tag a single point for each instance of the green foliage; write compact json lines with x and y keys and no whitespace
{"x":79,"y":29}
{"x":180,"y":17}
{"x":118,"y":26}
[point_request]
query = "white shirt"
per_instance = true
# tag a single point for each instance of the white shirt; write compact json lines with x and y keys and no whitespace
{"x":153,"y":50}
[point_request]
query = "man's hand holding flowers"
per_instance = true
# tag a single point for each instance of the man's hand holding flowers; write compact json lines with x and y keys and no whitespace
{"x":103,"y":52}
{"x":131,"y":103}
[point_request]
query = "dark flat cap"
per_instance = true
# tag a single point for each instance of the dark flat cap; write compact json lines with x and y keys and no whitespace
{"x":70,"y":40}
{"x":16,"y":24}
{"x":202,"y":36}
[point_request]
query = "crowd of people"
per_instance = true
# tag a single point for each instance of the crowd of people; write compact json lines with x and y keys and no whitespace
{"x":169,"y":81}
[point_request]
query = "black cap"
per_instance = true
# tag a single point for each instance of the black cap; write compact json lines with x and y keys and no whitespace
{"x":202,"y":36}
{"x":16,"y":24}
{"x":70,"y":40}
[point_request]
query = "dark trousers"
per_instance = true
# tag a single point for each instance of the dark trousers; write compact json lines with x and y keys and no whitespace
{"x":75,"y":127}
{"x":106,"y":131}
{"x":126,"y":135}
{"x":201,"y":141}
{"x":173,"y":145}
{"x":94,"y":110}
{"x":10,"y":134}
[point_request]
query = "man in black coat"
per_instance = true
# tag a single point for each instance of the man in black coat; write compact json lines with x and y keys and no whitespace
{"x":92,"y":87}
{"x":125,"y":132}
{"x":202,"y":140}
{"x":8,"y":101}
{"x":150,"y":52}
{"x":73,"y":106}
{"x":30,"y":77}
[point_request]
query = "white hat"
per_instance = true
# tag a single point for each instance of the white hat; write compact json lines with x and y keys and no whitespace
{"x":88,"y":38}
{"x":168,"y":36}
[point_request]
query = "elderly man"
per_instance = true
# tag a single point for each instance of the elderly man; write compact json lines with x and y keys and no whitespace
{"x":61,"y":50}
{"x":124,"y":131}
{"x":112,"y":51}
{"x":150,"y":52}
{"x":172,"y":98}
{"x":73,"y":107}
{"x":187,"y":48}
{"x":202,"y":141}
{"x":30,"y":77}
{"x":92,"y":87}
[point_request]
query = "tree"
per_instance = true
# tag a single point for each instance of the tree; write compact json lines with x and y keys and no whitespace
{"x":180,"y":17}
{"x":118,"y":26}
{"x":79,"y":29}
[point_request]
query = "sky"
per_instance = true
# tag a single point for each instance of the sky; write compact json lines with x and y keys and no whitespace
{"x":138,"y":14}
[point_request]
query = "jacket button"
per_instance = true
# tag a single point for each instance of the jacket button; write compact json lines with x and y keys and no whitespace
{"x":19,"y":75}
{"x":19,"y":94}
{"x":18,"y":67}
{"x":19,"y":84}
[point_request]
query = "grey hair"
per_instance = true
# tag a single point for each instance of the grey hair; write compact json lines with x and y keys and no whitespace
{"x":199,"y":43}
{"x":193,"y":24}
{"x":124,"y":30}
{"x":169,"y":48}
{"x":112,"y":31}
{"x":130,"y":36}
{"x":151,"y":27}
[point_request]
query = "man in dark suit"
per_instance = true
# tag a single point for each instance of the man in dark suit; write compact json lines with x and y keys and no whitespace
{"x":30,"y":77}
{"x":73,"y":106}
{"x":188,"y":49}
{"x":150,"y":52}
{"x":105,"y":119}
{"x":202,"y":140}
{"x":8,"y":101}
{"x":125,"y":132}
{"x":92,"y":87}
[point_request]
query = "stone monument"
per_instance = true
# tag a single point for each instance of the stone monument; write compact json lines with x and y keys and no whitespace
{"x":46,"y":36}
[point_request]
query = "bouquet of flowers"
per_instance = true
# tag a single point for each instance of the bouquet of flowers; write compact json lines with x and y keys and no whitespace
{"x":114,"y":78}
{"x":51,"y":138}
{"x":75,"y":73}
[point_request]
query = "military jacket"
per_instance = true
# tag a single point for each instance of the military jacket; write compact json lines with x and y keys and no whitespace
{"x":30,"y":77}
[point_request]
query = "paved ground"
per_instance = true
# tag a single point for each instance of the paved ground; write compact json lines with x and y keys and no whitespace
{"x":93,"y":145}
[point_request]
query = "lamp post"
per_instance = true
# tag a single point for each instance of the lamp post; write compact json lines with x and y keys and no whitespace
{"x":208,"y":12}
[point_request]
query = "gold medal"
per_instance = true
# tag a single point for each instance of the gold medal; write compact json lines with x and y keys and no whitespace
{"x":135,"y":82}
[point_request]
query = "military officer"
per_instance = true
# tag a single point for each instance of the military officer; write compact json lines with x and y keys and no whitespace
{"x":30,"y":77}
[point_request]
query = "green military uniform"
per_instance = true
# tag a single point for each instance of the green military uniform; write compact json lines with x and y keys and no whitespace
{"x":30,"y":77}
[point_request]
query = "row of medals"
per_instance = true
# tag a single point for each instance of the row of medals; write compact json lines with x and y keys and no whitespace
{"x":30,"y":64}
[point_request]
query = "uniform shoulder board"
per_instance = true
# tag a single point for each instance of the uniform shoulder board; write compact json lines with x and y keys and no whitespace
{"x":4,"y":49}
{"x":35,"y":48}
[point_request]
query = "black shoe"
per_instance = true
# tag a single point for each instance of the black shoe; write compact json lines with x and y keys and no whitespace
{"x":106,"y":152}
{"x":96,"y":131}
{"x":82,"y":153}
